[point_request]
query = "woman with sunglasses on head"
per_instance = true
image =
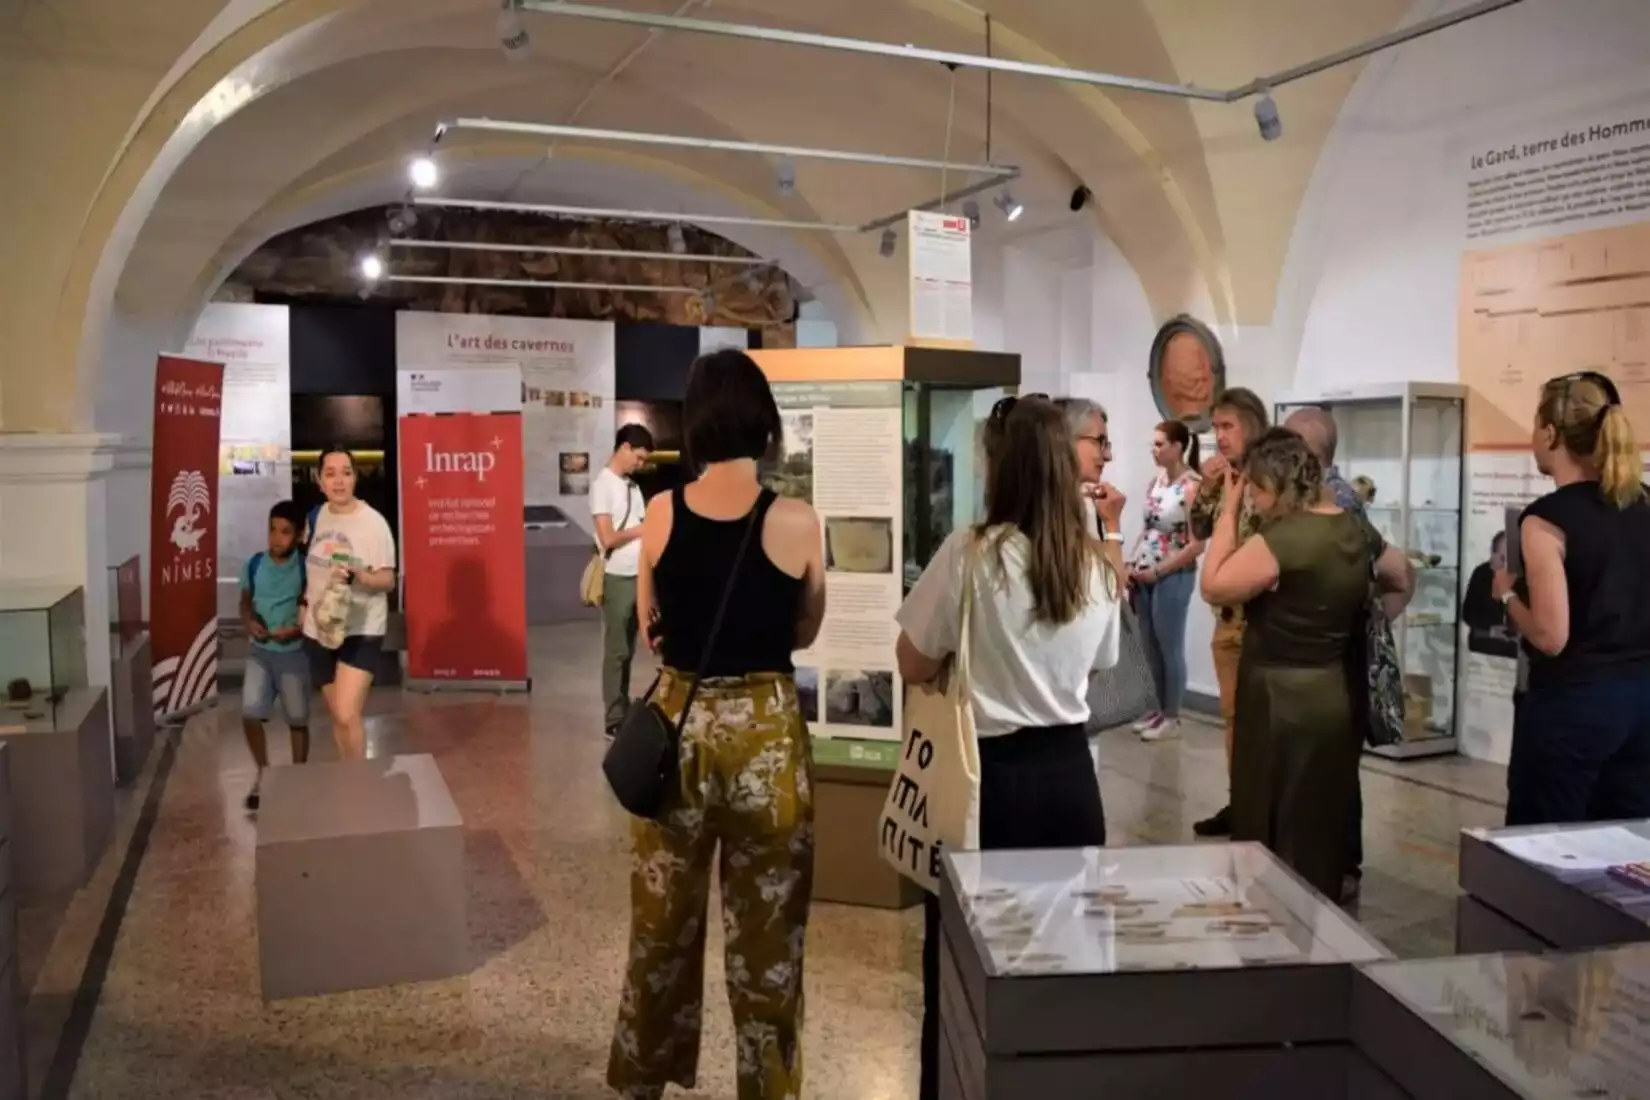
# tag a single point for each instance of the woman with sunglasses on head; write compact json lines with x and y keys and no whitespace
{"x":1044,"y":615}
{"x":1581,"y":735}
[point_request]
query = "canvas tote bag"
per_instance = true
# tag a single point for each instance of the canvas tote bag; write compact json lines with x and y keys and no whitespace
{"x":933,"y":802}
{"x":593,"y":582}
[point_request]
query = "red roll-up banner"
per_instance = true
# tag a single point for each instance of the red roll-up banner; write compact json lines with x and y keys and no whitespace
{"x":183,"y":533}
{"x":464,"y":553}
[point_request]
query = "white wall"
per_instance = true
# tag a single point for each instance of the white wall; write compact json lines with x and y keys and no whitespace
{"x":1369,"y":288}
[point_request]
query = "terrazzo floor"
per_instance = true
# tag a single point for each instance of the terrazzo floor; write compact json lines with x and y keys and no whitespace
{"x":178,"y":1012}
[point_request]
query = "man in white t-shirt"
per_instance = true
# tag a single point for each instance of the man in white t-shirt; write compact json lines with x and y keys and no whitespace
{"x":617,"y":508}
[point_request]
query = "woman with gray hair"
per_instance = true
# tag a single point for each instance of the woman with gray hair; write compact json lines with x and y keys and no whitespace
{"x":1102,"y":501}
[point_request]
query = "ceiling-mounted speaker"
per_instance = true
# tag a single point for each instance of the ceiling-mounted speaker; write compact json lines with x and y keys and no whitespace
{"x":1080,"y":198}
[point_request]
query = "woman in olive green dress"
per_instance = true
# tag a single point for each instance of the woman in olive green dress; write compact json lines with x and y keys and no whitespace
{"x":1305,"y":585}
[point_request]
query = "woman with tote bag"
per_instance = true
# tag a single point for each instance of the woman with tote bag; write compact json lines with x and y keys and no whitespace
{"x":1043,"y":614}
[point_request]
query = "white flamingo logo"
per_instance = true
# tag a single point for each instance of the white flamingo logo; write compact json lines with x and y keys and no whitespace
{"x":192,"y":496}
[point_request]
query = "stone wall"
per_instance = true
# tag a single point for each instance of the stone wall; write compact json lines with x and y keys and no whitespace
{"x":319,"y":262}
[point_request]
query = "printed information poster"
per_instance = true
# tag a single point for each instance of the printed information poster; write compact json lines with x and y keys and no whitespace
{"x":941,"y":277}
{"x":842,"y":454}
{"x":255,"y":448}
{"x":1555,"y":279}
{"x":566,"y":398}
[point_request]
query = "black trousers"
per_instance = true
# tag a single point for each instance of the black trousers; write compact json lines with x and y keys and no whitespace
{"x":1581,"y":752}
{"x":1038,"y":789}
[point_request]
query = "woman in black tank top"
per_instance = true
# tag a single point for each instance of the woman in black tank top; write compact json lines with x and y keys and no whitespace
{"x":1581,"y":732}
{"x":746,"y":781}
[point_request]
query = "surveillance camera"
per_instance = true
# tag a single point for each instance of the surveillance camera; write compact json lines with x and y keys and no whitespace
{"x":971,"y":211}
{"x":1266,"y":117}
{"x":890,"y":241}
{"x":1080,"y":198}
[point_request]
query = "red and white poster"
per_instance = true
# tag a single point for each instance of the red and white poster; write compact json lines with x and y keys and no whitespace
{"x":463,"y":547}
{"x":183,"y":539}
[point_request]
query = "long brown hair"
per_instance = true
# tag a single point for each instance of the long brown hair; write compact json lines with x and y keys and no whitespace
{"x":1586,"y":415}
{"x":1035,"y":490}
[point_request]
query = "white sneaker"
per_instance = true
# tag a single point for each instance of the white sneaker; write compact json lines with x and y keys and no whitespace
{"x":1147,"y":722}
{"x":1166,"y":727}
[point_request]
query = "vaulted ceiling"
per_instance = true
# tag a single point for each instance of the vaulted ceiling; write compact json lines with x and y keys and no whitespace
{"x":161,"y":142}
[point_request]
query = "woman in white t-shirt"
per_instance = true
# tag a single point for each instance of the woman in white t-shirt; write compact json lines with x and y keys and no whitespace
{"x":349,"y":544}
{"x":1045,"y":615}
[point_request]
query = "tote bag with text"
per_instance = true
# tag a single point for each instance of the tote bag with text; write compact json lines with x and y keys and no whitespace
{"x":933,"y":802}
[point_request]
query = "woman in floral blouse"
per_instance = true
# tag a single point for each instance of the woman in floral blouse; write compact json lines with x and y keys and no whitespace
{"x":1163,"y":570}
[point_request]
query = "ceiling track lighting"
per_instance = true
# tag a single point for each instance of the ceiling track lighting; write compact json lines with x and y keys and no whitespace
{"x":371,"y":267}
{"x":677,"y":240}
{"x":1011,"y":208}
{"x":574,"y":250}
{"x":539,"y":284}
{"x":949,"y":198}
{"x":689,"y":141}
{"x":669,"y":217}
{"x":1271,"y":127}
{"x":512,"y":32}
{"x":423,"y":173}
{"x":890,"y":241}
{"x":971,"y":211}
{"x":1267,"y":117}
{"x":785,"y":176}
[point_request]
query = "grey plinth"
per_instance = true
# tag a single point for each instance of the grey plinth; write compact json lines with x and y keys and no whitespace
{"x":62,"y":794}
{"x":360,"y":877}
{"x":131,"y":690}
{"x":12,"y":1062}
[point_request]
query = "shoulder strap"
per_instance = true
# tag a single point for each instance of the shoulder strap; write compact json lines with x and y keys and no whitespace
{"x":971,"y":556}
{"x":252,"y":573}
{"x":628,"y":503}
{"x":751,"y":524}
{"x":314,"y":518}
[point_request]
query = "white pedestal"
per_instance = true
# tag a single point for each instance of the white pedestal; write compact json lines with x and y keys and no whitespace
{"x":360,"y":877}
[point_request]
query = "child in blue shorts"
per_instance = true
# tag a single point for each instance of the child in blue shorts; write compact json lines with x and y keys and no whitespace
{"x":272,"y":594}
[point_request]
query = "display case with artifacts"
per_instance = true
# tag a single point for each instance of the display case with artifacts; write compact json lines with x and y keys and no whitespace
{"x":42,"y":647}
{"x":1562,"y":886}
{"x":1515,"y":1026}
{"x":1401,"y":448}
{"x":1150,"y":948}
{"x":885,"y":444}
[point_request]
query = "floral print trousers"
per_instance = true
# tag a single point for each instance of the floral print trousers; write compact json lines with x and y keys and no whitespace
{"x":746,"y":786}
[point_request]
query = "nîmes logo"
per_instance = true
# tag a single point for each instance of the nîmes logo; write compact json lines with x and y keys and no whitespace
{"x":190,"y":496}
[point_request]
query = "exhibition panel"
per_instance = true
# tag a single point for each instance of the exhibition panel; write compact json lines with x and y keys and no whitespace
{"x":1400,"y":447}
{"x":1566,"y":886}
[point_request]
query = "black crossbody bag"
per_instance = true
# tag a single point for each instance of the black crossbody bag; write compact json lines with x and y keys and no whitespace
{"x":643,"y":763}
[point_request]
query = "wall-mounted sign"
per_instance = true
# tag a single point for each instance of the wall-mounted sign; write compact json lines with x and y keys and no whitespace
{"x":1187,"y":370}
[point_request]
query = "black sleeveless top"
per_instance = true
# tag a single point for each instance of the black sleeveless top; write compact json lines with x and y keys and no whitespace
{"x":759,"y":630}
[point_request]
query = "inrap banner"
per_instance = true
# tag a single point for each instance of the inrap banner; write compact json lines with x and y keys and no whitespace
{"x":183,"y":533}
{"x":463,"y":547}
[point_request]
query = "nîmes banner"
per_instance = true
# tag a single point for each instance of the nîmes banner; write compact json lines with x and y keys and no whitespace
{"x":183,"y":533}
{"x":463,"y":547}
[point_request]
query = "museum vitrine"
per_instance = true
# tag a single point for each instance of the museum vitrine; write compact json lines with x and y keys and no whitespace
{"x":42,"y":646}
{"x":1401,"y":447}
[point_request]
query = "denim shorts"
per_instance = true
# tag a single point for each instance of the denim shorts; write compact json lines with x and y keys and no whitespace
{"x":276,"y":671}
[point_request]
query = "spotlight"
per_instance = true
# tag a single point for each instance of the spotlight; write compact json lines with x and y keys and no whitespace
{"x":423,"y":173}
{"x":512,"y":35}
{"x":890,"y":241}
{"x":1080,"y":198}
{"x":372,"y":268}
{"x":402,"y":220}
{"x":1010,"y":208}
{"x":678,"y":241}
{"x":1266,"y":117}
{"x":971,"y":211}
{"x":753,"y":278}
{"x":785,"y":176}
{"x":707,"y":302}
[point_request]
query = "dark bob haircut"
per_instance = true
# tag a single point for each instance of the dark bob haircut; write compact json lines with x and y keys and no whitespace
{"x":728,"y":411}
{"x":635,"y":435}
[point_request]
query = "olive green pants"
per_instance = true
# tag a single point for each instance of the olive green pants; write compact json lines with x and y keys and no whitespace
{"x":746,"y":787}
{"x":618,"y":644}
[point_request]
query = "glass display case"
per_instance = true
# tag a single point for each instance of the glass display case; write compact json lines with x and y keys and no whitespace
{"x":42,"y":645}
{"x":1401,"y":447}
{"x":1117,"y":910}
{"x":1536,"y":1026}
{"x":944,"y":439}
{"x":126,"y":600}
